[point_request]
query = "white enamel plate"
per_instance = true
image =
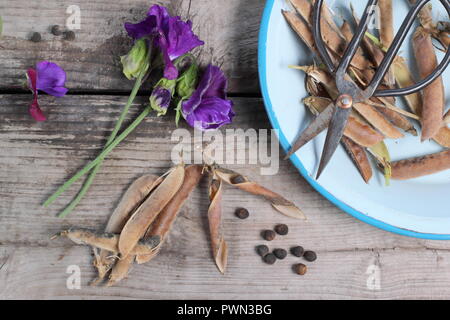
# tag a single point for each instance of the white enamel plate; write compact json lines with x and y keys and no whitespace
{"x":415,"y":208}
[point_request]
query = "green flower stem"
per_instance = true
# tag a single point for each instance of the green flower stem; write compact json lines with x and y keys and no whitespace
{"x":90,"y":179}
{"x":100,"y":157}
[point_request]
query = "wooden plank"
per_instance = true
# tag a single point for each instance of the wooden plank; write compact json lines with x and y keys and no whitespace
{"x":36,"y":158}
{"x":92,"y":60}
{"x":41,"y":273}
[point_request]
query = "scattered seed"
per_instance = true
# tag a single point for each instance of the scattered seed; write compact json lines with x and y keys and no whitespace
{"x":36,"y":37}
{"x":69,"y":35}
{"x":262,"y":250}
{"x":281,"y":229}
{"x":270,"y":258}
{"x":268,"y":235}
{"x":280,"y":253}
{"x":297,"y":251}
{"x":56,"y":30}
{"x":242,"y":213}
{"x":237,"y":179}
{"x":310,"y":256}
{"x":300,"y":269}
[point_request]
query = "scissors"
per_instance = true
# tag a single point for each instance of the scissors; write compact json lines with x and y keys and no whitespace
{"x":336,"y":115}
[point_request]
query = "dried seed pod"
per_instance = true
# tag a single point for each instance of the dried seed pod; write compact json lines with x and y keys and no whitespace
{"x":378,"y":121}
{"x":262,"y":250}
{"x":398,"y":120}
{"x":300,"y":269}
{"x":332,"y":38}
{"x":163,"y":223}
{"x":443,"y":137}
{"x":131,"y":200}
{"x":359,"y":157}
{"x":404,"y":79}
{"x":421,"y":166}
{"x":281,"y":229}
{"x":139,"y":222}
{"x":120,"y":270}
{"x":433,"y":95}
{"x":278,"y":202}
{"x":383,"y":158}
{"x":310,"y":256}
{"x":386,"y":23}
{"x":108,"y":241}
{"x":219,"y":246}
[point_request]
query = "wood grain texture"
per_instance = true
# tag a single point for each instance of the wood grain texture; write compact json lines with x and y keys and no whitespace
{"x":92,"y":60}
{"x":36,"y":158}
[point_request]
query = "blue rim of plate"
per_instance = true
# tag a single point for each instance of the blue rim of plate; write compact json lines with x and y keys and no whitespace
{"x":263,"y":31}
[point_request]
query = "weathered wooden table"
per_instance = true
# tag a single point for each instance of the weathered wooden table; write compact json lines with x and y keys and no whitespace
{"x":35,"y":158}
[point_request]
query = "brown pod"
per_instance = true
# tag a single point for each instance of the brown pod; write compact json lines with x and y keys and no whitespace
{"x":120,"y":270}
{"x":421,"y":166}
{"x":163,"y":223}
{"x":443,"y":137}
{"x":131,"y":200}
{"x":331,"y":35}
{"x":139,"y":222}
{"x":280,"y":204}
{"x":433,"y":95}
{"x":219,"y":246}
{"x":359,"y":157}
{"x":377,"y":120}
{"x":108,"y":241}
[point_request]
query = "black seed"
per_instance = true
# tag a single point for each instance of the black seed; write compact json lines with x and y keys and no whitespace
{"x":268,"y":235}
{"x":281,"y":229}
{"x":310,"y":256}
{"x":36,"y":37}
{"x":56,"y":30}
{"x":297,"y":251}
{"x":69,"y":35}
{"x":270,"y":258}
{"x":262,"y":250}
{"x":280,"y":253}
{"x":242,"y":213}
{"x":237,"y":179}
{"x":300,"y":269}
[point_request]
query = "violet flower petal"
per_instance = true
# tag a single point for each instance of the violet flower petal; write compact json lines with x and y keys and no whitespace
{"x":180,"y":37}
{"x":160,"y":13}
{"x":141,"y":29}
{"x":50,"y":78}
{"x":212,"y":84}
{"x":212,"y":113}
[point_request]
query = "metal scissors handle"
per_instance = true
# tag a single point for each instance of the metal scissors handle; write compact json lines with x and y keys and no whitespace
{"x":336,"y":115}
{"x":371,"y":89}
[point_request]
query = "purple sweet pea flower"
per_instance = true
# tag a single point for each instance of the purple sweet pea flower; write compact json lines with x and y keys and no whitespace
{"x":172,"y":36}
{"x":208,"y":107}
{"x":47,"y":77}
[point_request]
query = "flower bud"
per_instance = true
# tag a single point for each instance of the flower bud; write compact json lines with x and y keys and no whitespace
{"x":135,"y":61}
{"x":162,"y":96}
{"x":187,"y":82}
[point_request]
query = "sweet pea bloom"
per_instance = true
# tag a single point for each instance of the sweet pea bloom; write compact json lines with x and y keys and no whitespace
{"x":47,"y":77}
{"x":171,"y":35}
{"x":208,"y":107}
